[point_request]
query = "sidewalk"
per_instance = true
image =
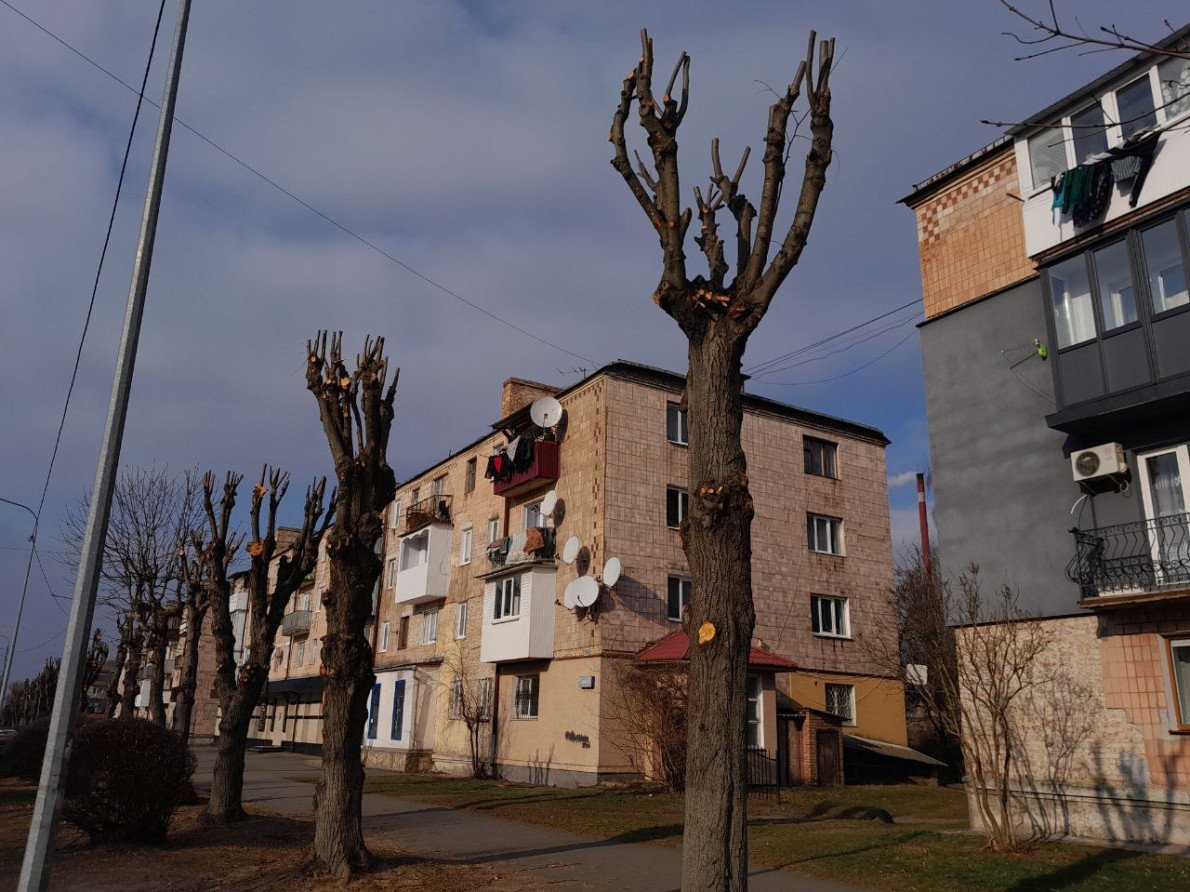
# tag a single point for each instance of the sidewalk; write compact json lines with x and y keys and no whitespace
{"x":528,"y":856}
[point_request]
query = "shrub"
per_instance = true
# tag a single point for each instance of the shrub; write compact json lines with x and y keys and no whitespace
{"x":23,"y":754}
{"x":127,"y":778}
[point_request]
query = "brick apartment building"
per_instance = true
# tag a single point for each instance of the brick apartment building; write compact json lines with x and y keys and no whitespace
{"x":1056,"y":350}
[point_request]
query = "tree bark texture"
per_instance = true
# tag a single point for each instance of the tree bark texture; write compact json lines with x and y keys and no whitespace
{"x":717,"y":319}
{"x":157,"y":680}
{"x":113,"y":687}
{"x":356,"y":411}
{"x":134,"y":654}
{"x":183,"y":716}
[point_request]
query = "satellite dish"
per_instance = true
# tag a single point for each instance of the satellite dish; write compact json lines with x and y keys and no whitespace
{"x":549,"y":503}
{"x":571,"y":549}
{"x":568,"y":596}
{"x":586,"y":591}
{"x":546,"y":412}
{"x":611,"y":571}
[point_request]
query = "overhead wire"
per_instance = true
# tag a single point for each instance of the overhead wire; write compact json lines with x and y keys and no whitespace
{"x":855,"y":343}
{"x":845,"y":374}
{"x":307,"y":205}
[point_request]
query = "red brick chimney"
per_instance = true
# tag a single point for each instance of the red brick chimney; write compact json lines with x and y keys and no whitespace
{"x":519,"y":393}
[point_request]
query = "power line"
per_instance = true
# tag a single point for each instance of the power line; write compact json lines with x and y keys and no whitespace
{"x":845,"y":374}
{"x":855,"y":343}
{"x":314,"y":210}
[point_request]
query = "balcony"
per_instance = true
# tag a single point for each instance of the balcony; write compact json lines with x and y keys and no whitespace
{"x":510,"y":550}
{"x":1146,"y":560}
{"x":422,"y":513}
{"x":542,"y":470}
{"x":424,"y":564}
{"x":524,"y":628}
{"x":296,"y":623}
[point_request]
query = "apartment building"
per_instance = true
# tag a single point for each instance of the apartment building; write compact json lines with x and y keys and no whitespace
{"x":472,"y":605}
{"x":1056,"y":350}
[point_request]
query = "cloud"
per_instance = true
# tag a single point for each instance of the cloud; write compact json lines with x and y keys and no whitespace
{"x":902,"y":479}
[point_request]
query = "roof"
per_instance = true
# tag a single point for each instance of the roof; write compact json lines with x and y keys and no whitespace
{"x":1046,"y":116}
{"x":675,"y":647}
{"x":889,"y":750}
{"x":646,"y":374}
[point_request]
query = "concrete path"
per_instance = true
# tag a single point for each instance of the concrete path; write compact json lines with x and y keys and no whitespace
{"x":529,"y":857}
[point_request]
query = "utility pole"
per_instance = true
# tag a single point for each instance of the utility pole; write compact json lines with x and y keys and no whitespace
{"x":923,"y":521}
{"x":35,"y":871}
{"x":16,"y":630}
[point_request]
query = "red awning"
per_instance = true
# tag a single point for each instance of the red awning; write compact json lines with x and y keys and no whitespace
{"x":676,"y":647}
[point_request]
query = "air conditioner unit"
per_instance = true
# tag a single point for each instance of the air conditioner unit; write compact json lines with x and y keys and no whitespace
{"x":1098,"y":461}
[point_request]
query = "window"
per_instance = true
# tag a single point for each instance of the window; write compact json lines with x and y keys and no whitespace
{"x":1174,"y":76}
{"x":415,"y":496}
{"x":469,"y":478}
{"x":1165,"y":267}
{"x":1047,"y":155}
{"x":1070,"y":292}
{"x":403,"y":633}
{"x":533,"y":514}
{"x":1089,"y":133}
{"x":390,"y":577}
{"x":398,"y":724}
{"x":676,"y":424}
{"x":525,"y":703}
{"x":1135,"y":105}
{"x":754,"y":731}
{"x":677,"y":503}
{"x":840,"y":700}
{"x":485,"y":699}
{"x":1179,"y":675}
{"x":1117,"y":297}
{"x":306,"y":602}
{"x":383,"y":637}
{"x":374,"y":712}
{"x":317,"y":601}
{"x":493,"y":529}
{"x":299,"y":653}
{"x":820,"y":457}
{"x":824,"y":534}
{"x":461,"y":620}
{"x":429,"y":626}
{"x":508,"y":598}
{"x":414,"y":550}
{"x":395,"y":517}
{"x":829,"y":617}
{"x":436,"y":487}
{"x":454,"y":709}
{"x":465,"y":547}
{"x":678,"y":597}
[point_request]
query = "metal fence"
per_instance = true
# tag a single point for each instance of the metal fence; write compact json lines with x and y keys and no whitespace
{"x":1144,"y":556}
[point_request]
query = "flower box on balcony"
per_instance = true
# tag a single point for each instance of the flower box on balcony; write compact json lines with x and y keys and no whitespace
{"x":542,"y":470}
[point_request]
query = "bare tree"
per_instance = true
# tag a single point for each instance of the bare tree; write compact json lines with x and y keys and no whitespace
{"x":357,"y":415}
{"x":238,"y":687}
{"x":648,"y":705}
{"x":1048,"y":34}
{"x":195,"y":592}
{"x":124,"y":623}
{"x":96,"y":658}
{"x":469,"y":692}
{"x":717,"y":319}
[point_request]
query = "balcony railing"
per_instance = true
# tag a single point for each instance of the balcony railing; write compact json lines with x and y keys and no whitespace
{"x":422,"y":513}
{"x":1132,"y":558}
{"x":296,"y":623}
{"x":543,"y":469}
{"x":505,"y":552}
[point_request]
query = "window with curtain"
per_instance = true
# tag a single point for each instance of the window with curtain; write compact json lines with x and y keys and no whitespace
{"x":1165,"y":266}
{"x":1070,"y":292}
{"x":1117,"y":296}
{"x":1047,"y":155}
{"x":1174,"y":75}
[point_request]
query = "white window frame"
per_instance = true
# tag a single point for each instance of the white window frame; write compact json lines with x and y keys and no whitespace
{"x":1179,"y":718}
{"x":390,"y":577}
{"x":306,"y":601}
{"x":683,"y":505}
{"x":848,"y":721}
{"x":437,"y":487}
{"x":429,"y":626}
{"x":461,"y":612}
{"x":824,"y":612}
{"x":685,"y":593}
{"x":454,"y":706}
{"x":507,"y":600}
{"x":406,"y":547}
{"x":383,"y":646}
{"x":754,"y":684}
{"x":835,"y":535}
{"x":493,"y":529}
{"x":299,"y":654}
{"x":681,"y":436}
{"x":395,"y":520}
{"x":527,"y":705}
{"x":533,"y":515}
{"x":465,"y":546}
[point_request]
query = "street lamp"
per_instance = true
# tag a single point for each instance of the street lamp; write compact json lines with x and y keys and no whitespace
{"x":16,"y":629}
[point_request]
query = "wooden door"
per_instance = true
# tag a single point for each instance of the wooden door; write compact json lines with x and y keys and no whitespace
{"x":827,"y":745}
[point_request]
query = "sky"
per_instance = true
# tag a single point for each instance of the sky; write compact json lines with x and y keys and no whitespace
{"x":467,"y":140}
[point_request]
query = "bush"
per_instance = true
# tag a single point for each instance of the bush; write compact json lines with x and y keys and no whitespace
{"x":127,"y":778}
{"x":23,"y":754}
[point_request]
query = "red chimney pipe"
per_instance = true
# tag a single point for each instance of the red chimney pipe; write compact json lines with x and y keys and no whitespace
{"x":924,"y":523}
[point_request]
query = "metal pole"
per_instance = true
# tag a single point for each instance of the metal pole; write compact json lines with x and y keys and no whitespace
{"x":16,"y":631}
{"x":923,"y":521}
{"x":35,"y":871}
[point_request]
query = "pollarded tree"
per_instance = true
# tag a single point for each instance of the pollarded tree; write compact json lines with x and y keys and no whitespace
{"x":238,"y":687}
{"x":717,"y":317}
{"x":356,"y":411}
{"x":195,"y":601}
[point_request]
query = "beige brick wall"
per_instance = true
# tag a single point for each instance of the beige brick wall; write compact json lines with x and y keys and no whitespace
{"x":971,"y":235}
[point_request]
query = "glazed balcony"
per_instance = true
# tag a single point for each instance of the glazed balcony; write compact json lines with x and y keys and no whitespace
{"x":541,"y":471}
{"x":423,"y":573}
{"x":505,"y":552}
{"x":1145,"y":560}
{"x":422,"y":513}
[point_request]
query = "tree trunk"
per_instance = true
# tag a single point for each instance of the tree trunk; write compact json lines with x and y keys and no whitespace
{"x":113,"y":688}
{"x":347,"y":666}
{"x":188,"y":682}
{"x":718,"y":545}
{"x":157,"y":680}
{"x":235,"y":721}
{"x":131,"y":684}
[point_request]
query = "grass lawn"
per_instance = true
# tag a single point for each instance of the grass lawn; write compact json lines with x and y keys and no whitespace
{"x":889,"y":837}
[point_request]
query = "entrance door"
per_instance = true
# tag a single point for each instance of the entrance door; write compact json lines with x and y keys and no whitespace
{"x":827,"y":745}
{"x":1165,"y":479}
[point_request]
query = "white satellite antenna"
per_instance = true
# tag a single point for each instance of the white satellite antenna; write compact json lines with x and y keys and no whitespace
{"x":611,"y":571}
{"x":568,"y":600}
{"x":546,"y":412}
{"x":586,"y":591}
{"x":549,"y":503}
{"x":571,"y":549}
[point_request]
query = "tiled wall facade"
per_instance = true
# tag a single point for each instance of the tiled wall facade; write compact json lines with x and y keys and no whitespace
{"x":971,"y":235}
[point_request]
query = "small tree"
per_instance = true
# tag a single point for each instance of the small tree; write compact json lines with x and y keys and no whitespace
{"x":195,"y":594}
{"x":238,"y":687}
{"x":356,"y":411}
{"x":717,"y":318}
{"x":469,"y":692}
{"x":649,"y":704}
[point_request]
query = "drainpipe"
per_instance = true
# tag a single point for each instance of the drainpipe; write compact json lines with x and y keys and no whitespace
{"x":495,"y":718}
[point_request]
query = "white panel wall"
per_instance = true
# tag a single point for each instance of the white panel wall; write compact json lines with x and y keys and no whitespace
{"x":428,"y":581}
{"x":529,"y":635}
